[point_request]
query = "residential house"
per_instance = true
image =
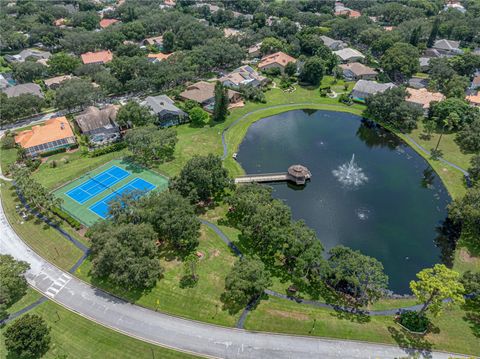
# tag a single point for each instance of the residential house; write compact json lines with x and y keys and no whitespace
{"x":389,"y":28}
{"x":164,"y":108}
{"x":448,"y":47}
{"x":474,"y":100}
{"x":455,"y":5}
{"x":229,"y":32}
{"x":349,"y":55}
{"x":54,"y":134}
{"x":333,"y":44}
{"x":169,"y":3}
{"x":476,"y":51}
{"x":156,"y":41}
{"x":3,"y":82}
{"x":99,"y":57}
{"x":424,"y":63}
{"x":363,"y":89}
{"x":244,"y":75}
{"x":422,"y":97}
{"x":341,"y":9}
{"x":99,"y":125}
{"x":158,"y":57}
{"x":104,"y":23}
{"x":28,"y":88}
{"x":357,"y":71}
{"x":277,"y":60}
{"x":254,"y":50}
{"x":475,"y":84}
{"x":204,"y":93}
{"x":55,"y":82}
{"x":418,"y":82}
{"x":24,"y":54}
{"x":60,"y":22}
{"x":213,"y":8}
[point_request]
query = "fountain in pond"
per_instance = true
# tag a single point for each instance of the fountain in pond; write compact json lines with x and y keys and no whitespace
{"x":350,"y":174}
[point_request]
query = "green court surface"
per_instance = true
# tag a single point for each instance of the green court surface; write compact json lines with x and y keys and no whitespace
{"x":87,"y":211}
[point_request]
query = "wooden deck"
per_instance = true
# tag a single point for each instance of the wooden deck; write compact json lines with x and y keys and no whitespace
{"x":263,"y":177}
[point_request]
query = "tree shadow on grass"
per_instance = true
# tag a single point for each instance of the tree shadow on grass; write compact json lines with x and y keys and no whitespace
{"x":414,"y":344}
{"x":472,"y":315}
{"x":354,"y":315}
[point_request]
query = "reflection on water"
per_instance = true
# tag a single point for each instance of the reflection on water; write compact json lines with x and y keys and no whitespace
{"x":393,"y":216}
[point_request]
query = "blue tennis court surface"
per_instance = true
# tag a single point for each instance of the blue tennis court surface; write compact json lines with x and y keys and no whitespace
{"x":95,"y":185}
{"x":102,"y":207}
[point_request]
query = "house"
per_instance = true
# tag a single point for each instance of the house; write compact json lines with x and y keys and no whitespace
{"x":357,"y":71}
{"x":422,"y":97}
{"x":418,"y":82}
{"x":244,"y":75}
{"x":389,"y":28}
{"x":164,"y":108}
{"x":213,"y":8}
{"x":55,"y":82}
{"x":333,"y":44}
{"x":22,"y":89}
{"x":156,"y":41}
{"x":54,"y":134}
{"x":474,"y":100}
{"x":475,"y":84}
{"x":24,"y":54}
{"x":455,"y":5}
{"x":60,"y":22}
{"x":169,"y":3}
{"x":254,"y":50}
{"x":204,"y":93}
{"x":447,"y":47}
{"x":3,"y":82}
{"x":363,"y":89}
{"x":277,"y":60}
{"x":99,"y":57}
{"x":158,"y":57}
{"x":104,"y":23}
{"x":341,"y":9}
{"x":229,"y":32}
{"x":349,"y":55}
{"x":99,"y":125}
{"x":424,"y":63}
{"x":476,"y":51}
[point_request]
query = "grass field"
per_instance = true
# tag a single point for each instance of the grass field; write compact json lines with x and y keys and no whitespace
{"x":73,"y":336}
{"x":82,"y":212}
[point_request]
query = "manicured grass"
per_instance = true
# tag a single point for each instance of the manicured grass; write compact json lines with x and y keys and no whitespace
{"x":73,"y":336}
{"x":43,"y":239}
{"x":7,"y":157}
{"x":202,"y":302}
{"x":30,"y":297}
{"x":451,"y":333}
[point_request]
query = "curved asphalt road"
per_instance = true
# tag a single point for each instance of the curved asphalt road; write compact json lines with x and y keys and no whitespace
{"x":173,"y":332}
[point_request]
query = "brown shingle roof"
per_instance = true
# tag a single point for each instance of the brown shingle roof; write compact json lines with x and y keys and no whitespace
{"x":54,"y":129}
{"x":202,"y":91}
{"x":93,"y":118}
{"x":359,"y":69}
{"x":56,"y":80}
{"x":280,"y":58}
{"x":97,"y":57}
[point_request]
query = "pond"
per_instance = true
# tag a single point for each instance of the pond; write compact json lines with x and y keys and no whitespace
{"x":386,"y":202}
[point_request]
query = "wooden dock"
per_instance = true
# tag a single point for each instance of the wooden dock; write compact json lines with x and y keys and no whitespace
{"x":263,"y":177}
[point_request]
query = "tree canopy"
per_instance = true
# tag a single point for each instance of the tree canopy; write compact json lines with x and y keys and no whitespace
{"x":13,"y":284}
{"x":401,"y":61}
{"x":28,"y":337}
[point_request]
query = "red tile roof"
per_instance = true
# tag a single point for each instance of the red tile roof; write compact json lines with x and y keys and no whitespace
{"x":100,"y":57}
{"x":107,"y":22}
{"x":350,"y":13}
{"x":423,"y":97}
{"x":54,"y":129}
{"x":279,"y":58}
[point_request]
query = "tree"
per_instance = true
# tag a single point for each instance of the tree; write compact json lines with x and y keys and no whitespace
{"x":442,"y":111}
{"x":400,"y":61}
{"x":434,"y":285}
{"x":28,"y":71}
{"x":202,"y":178}
{"x":312,"y":71}
{"x":168,"y":41}
{"x":220,"y":108}
{"x":150,"y":144}
{"x":132,"y":114}
{"x":466,"y":212}
{"x":271,"y":45}
{"x":62,"y":63}
{"x":245,"y":283}
{"x":134,"y":30}
{"x":474,"y":169}
{"x":28,"y":337}
{"x":125,"y":254}
{"x":290,"y":69}
{"x":198,"y":116}
{"x":190,"y":276}
{"x":468,"y":138}
{"x":87,"y":19}
{"x":13,"y":284}
{"x":356,"y":275}
{"x":434,"y":32}
{"x":20,"y":106}
{"x":456,"y":86}
{"x":75,"y":93}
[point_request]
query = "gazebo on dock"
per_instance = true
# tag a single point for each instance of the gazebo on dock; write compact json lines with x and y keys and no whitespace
{"x":299,"y":174}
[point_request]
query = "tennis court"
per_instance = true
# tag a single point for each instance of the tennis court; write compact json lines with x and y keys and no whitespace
{"x":88,"y":197}
{"x":102,"y":207}
{"x":95,"y":185}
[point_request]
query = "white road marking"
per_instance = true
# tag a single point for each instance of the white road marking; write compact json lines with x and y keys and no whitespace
{"x":58,"y":285}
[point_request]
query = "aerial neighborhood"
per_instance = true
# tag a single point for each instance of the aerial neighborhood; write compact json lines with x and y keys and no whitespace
{"x":183,"y":178}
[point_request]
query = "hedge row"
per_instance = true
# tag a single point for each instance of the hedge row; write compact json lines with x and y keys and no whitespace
{"x":67,"y":218}
{"x":117,"y":146}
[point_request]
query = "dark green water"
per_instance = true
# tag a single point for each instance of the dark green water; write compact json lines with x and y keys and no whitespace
{"x":393,"y":216}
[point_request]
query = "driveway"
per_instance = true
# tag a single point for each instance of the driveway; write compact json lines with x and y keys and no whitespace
{"x":173,"y":332}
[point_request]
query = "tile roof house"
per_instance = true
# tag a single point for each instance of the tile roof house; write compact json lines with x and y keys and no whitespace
{"x":341,"y":9}
{"x":244,"y":75}
{"x":447,"y":47}
{"x":99,"y":57}
{"x":54,"y":134}
{"x":28,"y":88}
{"x":422,"y":97}
{"x":254,"y":50}
{"x":104,"y":23}
{"x":54,"y":82}
{"x":204,"y":93}
{"x":229,"y":32}
{"x":164,"y":108}
{"x":349,"y":55}
{"x":154,"y":41}
{"x":474,"y":100}
{"x":475,"y":84}
{"x":455,"y":5}
{"x":276,"y":60}
{"x":333,"y":44}
{"x":357,"y":71}
{"x":158,"y":57}
{"x":24,"y":54}
{"x":363,"y":89}
{"x":99,"y":125}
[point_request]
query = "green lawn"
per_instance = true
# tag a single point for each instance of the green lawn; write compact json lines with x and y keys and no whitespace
{"x":276,"y":315}
{"x":7,"y":157}
{"x":76,"y":337}
{"x":30,"y":297}
{"x":201,"y":302}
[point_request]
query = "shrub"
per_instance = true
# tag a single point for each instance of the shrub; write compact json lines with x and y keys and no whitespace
{"x":67,"y":218}
{"x":8,"y":142}
{"x":413,"y":321}
{"x":53,"y":164}
{"x":53,"y":152}
{"x":117,"y":146}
